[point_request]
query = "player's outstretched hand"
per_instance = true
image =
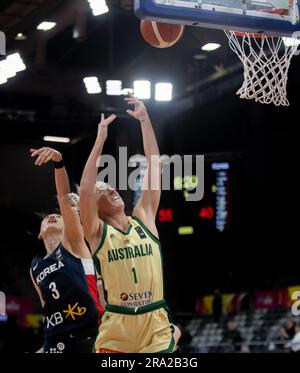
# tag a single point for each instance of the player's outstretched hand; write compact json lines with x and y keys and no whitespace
{"x":103,"y":125}
{"x":140,"y":111}
{"x":44,"y":155}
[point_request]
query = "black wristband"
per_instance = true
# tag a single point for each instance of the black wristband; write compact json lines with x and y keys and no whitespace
{"x":59,"y":164}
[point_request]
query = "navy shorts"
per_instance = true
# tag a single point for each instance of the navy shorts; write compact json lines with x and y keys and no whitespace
{"x":78,"y":342}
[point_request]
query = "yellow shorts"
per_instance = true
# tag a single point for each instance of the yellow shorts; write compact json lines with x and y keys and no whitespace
{"x":150,"y":332}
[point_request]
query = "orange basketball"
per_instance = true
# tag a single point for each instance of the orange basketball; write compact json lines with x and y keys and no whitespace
{"x":161,"y":35}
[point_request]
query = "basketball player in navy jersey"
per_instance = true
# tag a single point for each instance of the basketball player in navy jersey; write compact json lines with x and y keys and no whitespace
{"x":65,"y":279}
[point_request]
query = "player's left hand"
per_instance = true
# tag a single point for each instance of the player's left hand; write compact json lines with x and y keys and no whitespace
{"x":44,"y":155}
{"x":140,"y":111}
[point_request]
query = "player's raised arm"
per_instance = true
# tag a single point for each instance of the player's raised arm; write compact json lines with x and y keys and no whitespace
{"x":45,"y":155}
{"x":73,"y":238}
{"x":92,"y":225}
{"x":147,"y":206}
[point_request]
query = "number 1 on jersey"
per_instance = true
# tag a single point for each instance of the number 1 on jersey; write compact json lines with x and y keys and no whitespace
{"x":134,"y":275}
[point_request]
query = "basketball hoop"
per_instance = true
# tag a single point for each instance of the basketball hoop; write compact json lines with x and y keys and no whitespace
{"x":266,"y":60}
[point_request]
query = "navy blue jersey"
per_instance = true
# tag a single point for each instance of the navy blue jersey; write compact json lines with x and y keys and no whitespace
{"x":68,"y":287}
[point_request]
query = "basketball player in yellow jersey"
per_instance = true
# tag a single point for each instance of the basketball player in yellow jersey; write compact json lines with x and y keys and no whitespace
{"x":127,"y":252}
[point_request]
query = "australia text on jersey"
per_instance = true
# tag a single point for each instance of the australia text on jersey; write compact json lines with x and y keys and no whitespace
{"x":129,"y":252}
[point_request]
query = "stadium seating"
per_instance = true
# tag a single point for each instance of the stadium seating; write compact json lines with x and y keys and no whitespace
{"x":259,"y":330}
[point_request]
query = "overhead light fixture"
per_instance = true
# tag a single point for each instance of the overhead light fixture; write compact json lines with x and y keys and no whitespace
{"x":209,"y":47}
{"x":98,"y":7}
{"x":64,"y":140}
{"x":3,"y":72}
{"x":113,"y":87}
{"x":163,"y":92}
{"x":46,"y":26}
{"x":142,"y":89}
{"x":92,"y":85}
{"x":15,"y":62}
{"x":10,"y":67}
{"x":2,"y":79}
{"x":20,"y":36}
{"x":7,"y":71}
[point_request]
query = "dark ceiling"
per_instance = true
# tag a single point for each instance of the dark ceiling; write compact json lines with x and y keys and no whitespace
{"x":49,"y":97}
{"x":110,"y":46}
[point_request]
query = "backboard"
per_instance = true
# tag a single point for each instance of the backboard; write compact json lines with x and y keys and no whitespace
{"x":275,"y":17}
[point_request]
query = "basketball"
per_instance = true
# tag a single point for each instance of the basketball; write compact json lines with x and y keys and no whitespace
{"x":161,"y":35}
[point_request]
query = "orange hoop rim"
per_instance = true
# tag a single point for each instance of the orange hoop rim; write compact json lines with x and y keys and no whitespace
{"x":252,"y":35}
{"x":255,"y":35}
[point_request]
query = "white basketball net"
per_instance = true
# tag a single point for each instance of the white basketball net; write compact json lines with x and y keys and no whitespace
{"x":266,"y":62}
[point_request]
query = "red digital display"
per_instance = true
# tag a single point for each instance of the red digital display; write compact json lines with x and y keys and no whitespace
{"x":165,"y":215}
{"x":207,"y":213}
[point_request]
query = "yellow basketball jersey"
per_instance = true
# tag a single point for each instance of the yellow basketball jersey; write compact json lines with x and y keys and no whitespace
{"x":130,"y":264}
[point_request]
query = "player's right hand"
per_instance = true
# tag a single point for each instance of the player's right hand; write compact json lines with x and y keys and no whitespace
{"x":103,"y":125}
{"x":44,"y":155}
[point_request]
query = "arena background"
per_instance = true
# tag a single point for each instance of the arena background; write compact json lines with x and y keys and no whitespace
{"x":257,"y":251}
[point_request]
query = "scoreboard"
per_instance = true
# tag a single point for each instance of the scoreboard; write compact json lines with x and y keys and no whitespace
{"x":216,"y":211}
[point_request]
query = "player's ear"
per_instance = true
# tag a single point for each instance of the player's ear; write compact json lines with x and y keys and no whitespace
{"x":40,"y":236}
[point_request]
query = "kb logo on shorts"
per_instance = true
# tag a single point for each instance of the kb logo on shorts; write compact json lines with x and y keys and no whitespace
{"x":73,"y":311}
{"x":57,"y":318}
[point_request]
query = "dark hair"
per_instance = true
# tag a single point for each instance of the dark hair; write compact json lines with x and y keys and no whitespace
{"x":42,"y":214}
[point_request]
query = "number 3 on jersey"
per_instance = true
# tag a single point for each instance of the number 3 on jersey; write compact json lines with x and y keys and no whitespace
{"x":55,"y":293}
{"x":134,"y":275}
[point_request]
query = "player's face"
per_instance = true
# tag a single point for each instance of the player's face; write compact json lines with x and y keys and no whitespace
{"x":108,"y":199}
{"x":51,"y":225}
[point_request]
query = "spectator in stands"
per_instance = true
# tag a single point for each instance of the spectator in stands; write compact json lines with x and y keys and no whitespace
{"x":295,"y":344}
{"x":185,"y":339}
{"x":233,"y":337}
{"x":217,"y":306}
{"x":287,"y":332}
